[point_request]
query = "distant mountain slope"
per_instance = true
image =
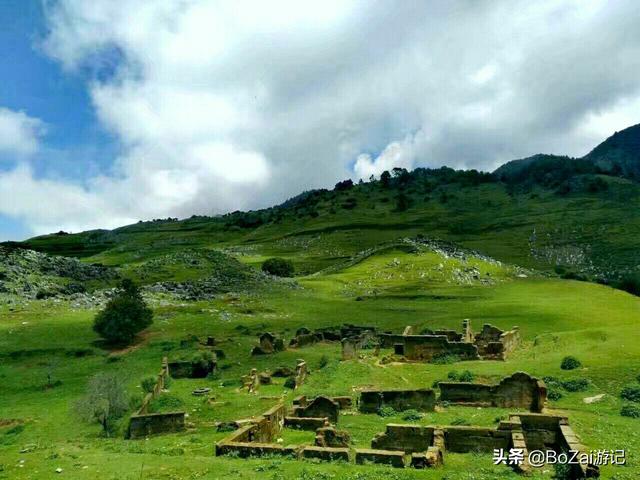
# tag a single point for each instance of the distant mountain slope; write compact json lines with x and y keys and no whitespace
{"x":545,"y":212}
{"x":619,"y":153}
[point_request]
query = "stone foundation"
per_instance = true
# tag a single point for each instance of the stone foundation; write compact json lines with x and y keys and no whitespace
{"x":406,"y":438}
{"x":385,"y":457}
{"x":326,"y":453}
{"x":305,"y":423}
{"x":144,"y":425}
{"x":372,"y":400}
{"x":520,"y":390}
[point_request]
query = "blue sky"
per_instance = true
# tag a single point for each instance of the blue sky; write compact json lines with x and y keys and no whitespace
{"x":77,"y":147}
{"x":112,"y":111}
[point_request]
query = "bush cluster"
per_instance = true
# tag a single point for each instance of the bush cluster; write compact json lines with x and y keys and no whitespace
{"x":570,"y":363}
{"x":279,"y":267}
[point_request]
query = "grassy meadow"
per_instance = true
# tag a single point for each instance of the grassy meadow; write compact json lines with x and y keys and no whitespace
{"x":390,"y":288}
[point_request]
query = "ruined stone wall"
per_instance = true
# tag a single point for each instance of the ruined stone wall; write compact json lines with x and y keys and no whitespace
{"x":319,"y":407}
{"x":541,"y":431}
{"x":517,"y":391}
{"x":451,"y":335}
{"x":426,"y":347}
{"x":510,"y":340}
{"x":465,"y":439}
{"x":157,"y":388}
{"x":189,"y":369}
{"x":143,"y":425}
{"x":422,"y":399}
{"x":495,"y":344}
{"x":407,"y":438}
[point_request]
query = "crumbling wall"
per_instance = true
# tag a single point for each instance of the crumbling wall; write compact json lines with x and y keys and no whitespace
{"x":519,"y":390}
{"x":269,"y":344}
{"x":384,"y":457}
{"x":189,"y":369}
{"x":301,"y":373}
{"x":319,"y":407}
{"x":422,"y":399}
{"x":407,"y":438}
{"x":463,"y":439}
{"x":490,"y":343}
{"x":143,"y":425}
{"x":496,"y":344}
{"x":426,"y":347}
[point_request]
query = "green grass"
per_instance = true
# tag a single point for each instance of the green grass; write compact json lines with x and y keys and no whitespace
{"x":594,"y":233}
{"x":594,"y":323}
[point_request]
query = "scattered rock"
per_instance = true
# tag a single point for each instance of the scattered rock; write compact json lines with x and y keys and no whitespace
{"x":594,"y":399}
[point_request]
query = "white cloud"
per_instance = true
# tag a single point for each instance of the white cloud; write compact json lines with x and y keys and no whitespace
{"x":19,"y":133}
{"x":397,"y":154}
{"x":228,"y":105}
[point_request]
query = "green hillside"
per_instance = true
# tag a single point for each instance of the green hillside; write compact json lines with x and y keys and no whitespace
{"x":408,"y":283}
{"x":544,"y":212}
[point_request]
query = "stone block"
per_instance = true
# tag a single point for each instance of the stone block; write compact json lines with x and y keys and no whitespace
{"x":326,"y":453}
{"x":384,"y":457}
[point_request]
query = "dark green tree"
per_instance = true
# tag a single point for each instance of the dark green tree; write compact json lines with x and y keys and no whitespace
{"x":279,"y":267}
{"x":124,"y":316}
{"x":385,"y":178}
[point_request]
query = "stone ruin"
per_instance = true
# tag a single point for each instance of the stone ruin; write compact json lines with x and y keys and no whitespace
{"x":371,"y":401}
{"x":192,"y":369}
{"x":329,"y":436}
{"x":490,"y":343}
{"x":143,"y":424}
{"x":426,"y":445}
{"x":517,"y":391}
{"x":269,"y":344}
{"x":305,"y":337}
{"x":403,"y":445}
{"x":319,"y":407}
{"x":295,"y":378}
{"x":252,"y":381}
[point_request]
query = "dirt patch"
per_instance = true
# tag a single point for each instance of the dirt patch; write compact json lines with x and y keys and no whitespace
{"x":141,"y":340}
{"x":10,"y":422}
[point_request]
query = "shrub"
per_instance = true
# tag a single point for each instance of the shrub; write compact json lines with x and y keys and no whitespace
{"x":411,"y":415}
{"x":279,"y":267}
{"x":125,"y":315}
{"x":553,"y":393}
{"x":575,"y":385}
{"x":290,"y":382}
{"x":464,"y":376}
{"x":552,"y":381}
{"x":203,"y":359}
{"x":444,"y":359}
{"x":148,"y":384}
{"x":165,"y":403}
{"x":570,"y":363}
{"x":631,"y":393}
{"x":630,"y":410}
{"x":386,"y":411}
{"x":630,"y":283}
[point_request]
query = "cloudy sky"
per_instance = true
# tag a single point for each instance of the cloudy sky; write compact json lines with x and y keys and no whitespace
{"x":113,"y":111}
